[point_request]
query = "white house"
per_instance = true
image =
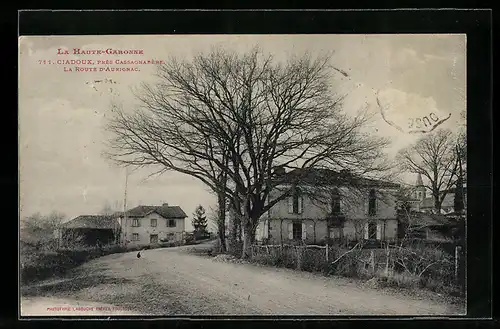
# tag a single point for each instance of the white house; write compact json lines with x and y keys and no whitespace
{"x":325,"y":204}
{"x":144,"y":225}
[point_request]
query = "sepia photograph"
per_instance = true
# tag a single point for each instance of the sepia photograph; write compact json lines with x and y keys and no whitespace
{"x":240,"y":174}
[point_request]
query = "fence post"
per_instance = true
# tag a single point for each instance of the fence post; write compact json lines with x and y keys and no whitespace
{"x":327,"y":252}
{"x":299,"y":257}
{"x":456,"y":263}
{"x":372,"y":260}
{"x":387,"y":253}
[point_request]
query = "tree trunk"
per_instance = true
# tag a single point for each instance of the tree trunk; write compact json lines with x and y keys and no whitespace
{"x":459,"y":203}
{"x":281,"y":231}
{"x":239,"y":232}
{"x":437,"y":202}
{"x":314,"y":229}
{"x":248,"y":239}
{"x":221,"y":221}
{"x":232,"y":231}
{"x":247,"y":244}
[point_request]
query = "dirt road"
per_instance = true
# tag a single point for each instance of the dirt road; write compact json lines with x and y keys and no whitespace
{"x":168,"y":281}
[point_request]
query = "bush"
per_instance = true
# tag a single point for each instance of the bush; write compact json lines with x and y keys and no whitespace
{"x":399,"y":280}
{"x":235,"y":248}
{"x":281,"y":257}
{"x":427,"y":262}
{"x":313,"y":260}
{"x":431,"y":267}
{"x":45,"y":264}
{"x":166,"y":245}
{"x":346,"y":264}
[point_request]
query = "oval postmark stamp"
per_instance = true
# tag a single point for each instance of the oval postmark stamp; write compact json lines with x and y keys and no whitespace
{"x":411,"y":115}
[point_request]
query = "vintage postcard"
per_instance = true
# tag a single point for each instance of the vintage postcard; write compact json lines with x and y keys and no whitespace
{"x":188,"y":175}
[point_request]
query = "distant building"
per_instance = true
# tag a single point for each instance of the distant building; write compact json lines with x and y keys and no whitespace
{"x":418,"y":194}
{"x":421,"y":203}
{"x":144,"y":225}
{"x":428,"y":226}
{"x":89,"y":230}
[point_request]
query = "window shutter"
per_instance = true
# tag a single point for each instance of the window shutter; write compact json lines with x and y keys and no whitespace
{"x":301,"y":199}
{"x":290,"y":231}
{"x":304,"y":231}
{"x":290,"y":205}
{"x":366,"y":231}
{"x":379,"y":231}
{"x":266,"y":229}
{"x":376,"y":203}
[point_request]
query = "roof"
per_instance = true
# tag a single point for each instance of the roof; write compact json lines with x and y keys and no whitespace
{"x":164,"y":211}
{"x":91,"y":221}
{"x":320,"y":176}
{"x":424,"y":219}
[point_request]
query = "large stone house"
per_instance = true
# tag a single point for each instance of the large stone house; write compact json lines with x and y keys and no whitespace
{"x":144,"y":225}
{"x":327,"y":205}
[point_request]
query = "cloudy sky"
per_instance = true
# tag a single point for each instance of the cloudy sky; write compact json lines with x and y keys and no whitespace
{"x":61,"y":114}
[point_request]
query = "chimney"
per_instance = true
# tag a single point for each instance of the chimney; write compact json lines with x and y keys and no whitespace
{"x":165,"y":204}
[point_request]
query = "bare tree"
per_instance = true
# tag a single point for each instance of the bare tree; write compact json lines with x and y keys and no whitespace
{"x":263,"y":114}
{"x":39,"y":229}
{"x":433,"y":156}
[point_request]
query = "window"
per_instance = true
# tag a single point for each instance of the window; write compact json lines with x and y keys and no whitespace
{"x":372,"y":203}
{"x":295,"y":202}
{"x":135,"y":236}
{"x":335,"y":202}
{"x":372,"y":230}
{"x":136,"y":223}
{"x":297,"y":231}
{"x":153,"y":222}
{"x":335,"y":232}
{"x":153,"y":238}
{"x":171,"y":223}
